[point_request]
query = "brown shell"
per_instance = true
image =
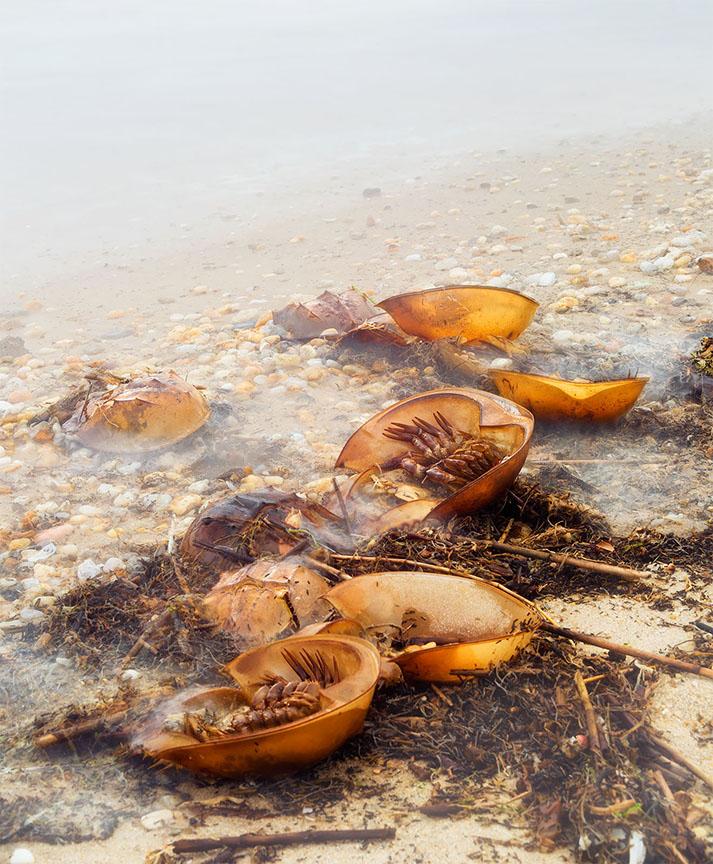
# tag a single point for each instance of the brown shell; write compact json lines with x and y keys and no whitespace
{"x":140,"y":415}
{"x":266,"y":600}
{"x":558,"y":399}
{"x":476,"y":624}
{"x":466,"y":312}
{"x":474,"y":411}
{"x":239,"y":528}
{"x":346,"y":695}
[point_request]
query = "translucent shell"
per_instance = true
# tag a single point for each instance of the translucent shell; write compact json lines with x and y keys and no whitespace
{"x":556,"y":399}
{"x":470,"y":410}
{"x":140,"y":415}
{"x":476,"y":624}
{"x":282,"y":749}
{"x":467,"y":312}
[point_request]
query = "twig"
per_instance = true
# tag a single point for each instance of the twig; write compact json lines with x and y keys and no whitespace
{"x":322,"y":565}
{"x":625,"y":573}
{"x":142,"y":642}
{"x":410,"y":562}
{"x":612,"y":809}
{"x":589,"y":715}
{"x":629,"y":651}
{"x":92,"y":724}
{"x":342,"y":507}
{"x":293,"y":838}
{"x":676,"y":756}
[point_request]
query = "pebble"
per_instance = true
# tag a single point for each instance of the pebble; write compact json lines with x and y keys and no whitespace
{"x":501,"y":363}
{"x":446,"y":264}
{"x":543,"y":280}
{"x":563,"y":337}
{"x":113,"y":564}
{"x":157,"y":819}
{"x":88,"y":569}
{"x":183,"y":504}
{"x":22,"y":856}
{"x":31,"y":615}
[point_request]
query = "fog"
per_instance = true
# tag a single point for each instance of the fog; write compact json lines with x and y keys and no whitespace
{"x":122,"y":120}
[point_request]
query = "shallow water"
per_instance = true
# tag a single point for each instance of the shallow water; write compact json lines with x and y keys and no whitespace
{"x":125,"y":123}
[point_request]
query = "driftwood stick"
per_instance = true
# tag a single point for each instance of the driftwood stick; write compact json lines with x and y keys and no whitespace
{"x":292,"y":838}
{"x":342,"y":507}
{"x":83,"y":727}
{"x":676,"y":756}
{"x":625,"y":573}
{"x":629,"y":651}
{"x":589,"y":715}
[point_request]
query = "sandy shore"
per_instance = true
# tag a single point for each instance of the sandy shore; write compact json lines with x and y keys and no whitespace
{"x":603,"y":234}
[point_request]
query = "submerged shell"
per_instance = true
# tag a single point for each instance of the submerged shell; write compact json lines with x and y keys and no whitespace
{"x":466,"y":312}
{"x":140,"y":415}
{"x":266,"y":600}
{"x":558,"y":399}
{"x":475,"y":624}
{"x":481,"y":414}
{"x":347,"y":668}
{"x":239,"y":528}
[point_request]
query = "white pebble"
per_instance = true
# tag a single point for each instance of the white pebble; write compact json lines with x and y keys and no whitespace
{"x":157,"y":819}
{"x":501,"y":363}
{"x":112,"y":564}
{"x":88,"y":569}
{"x":22,"y":856}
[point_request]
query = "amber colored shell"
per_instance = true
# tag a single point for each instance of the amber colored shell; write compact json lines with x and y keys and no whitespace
{"x":467,"y":312}
{"x":470,"y":410}
{"x":476,"y":623}
{"x":140,"y":415}
{"x":279,"y":749}
{"x":557,"y":399}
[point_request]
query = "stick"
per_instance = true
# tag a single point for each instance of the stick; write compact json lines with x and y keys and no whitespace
{"x":678,"y":757}
{"x":293,"y":838}
{"x":437,"y":568}
{"x":589,"y":715}
{"x":625,"y":573}
{"x":342,"y":507}
{"x":92,"y":724}
{"x":648,"y":656}
{"x":141,"y":642}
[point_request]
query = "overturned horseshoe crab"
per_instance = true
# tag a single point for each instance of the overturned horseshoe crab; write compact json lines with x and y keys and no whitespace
{"x":297,"y":702}
{"x":466,"y":312}
{"x":559,"y":399}
{"x":438,"y":627}
{"x":461,"y":448}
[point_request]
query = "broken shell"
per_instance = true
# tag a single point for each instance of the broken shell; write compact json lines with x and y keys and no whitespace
{"x":266,"y":600}
{"x":347,"y":669}
{"x":468,"y":312}
{"x":557,"y":399}
{"x":475,"y":624}
{"x":239,"y":528}
{"x":491,"y":418}
{"x":140,"y":415}
{"x":342,"y":312}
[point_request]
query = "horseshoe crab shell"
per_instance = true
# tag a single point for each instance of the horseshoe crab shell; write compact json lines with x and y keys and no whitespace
{"x":558,"y":399}
{"x":475,"y":624}
{"x":467,"y":312}
{"x":491,"y":417}
{"x":140,"y":415}
{"x":345,"y":697}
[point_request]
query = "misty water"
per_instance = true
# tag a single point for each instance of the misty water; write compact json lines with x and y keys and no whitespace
{"x":122,"y":122}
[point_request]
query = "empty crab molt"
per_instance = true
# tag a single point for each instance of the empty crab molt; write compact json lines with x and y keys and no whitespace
{"x":442,"y":628}
{"x":465,"y":444}
{"x":140,"y":415}
{"x":275,"y":735}
{"x":558,"y":399}
{"x":266,"y":600}
{"x":466,"y":312}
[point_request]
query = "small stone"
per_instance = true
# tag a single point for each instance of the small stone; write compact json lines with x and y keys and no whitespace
{"x":88,"y":569}
{"x":130,"y":675}
{"x":372,"y":192}
{"x":679,"y":301}
{"x":157,"y":819}
{"x":563,"y":337}
{"x":113,"y":564}
{"x":183,"y":504}
{"x":617,"y":282}
{"x":705,"y":264}
{"x":30,"y":615}
{"x":501,"y":363}
{"x":22,"y":856}
{"x":446,"y":264}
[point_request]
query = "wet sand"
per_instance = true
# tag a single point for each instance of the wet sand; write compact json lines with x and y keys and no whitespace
{"x":576,"y":226}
